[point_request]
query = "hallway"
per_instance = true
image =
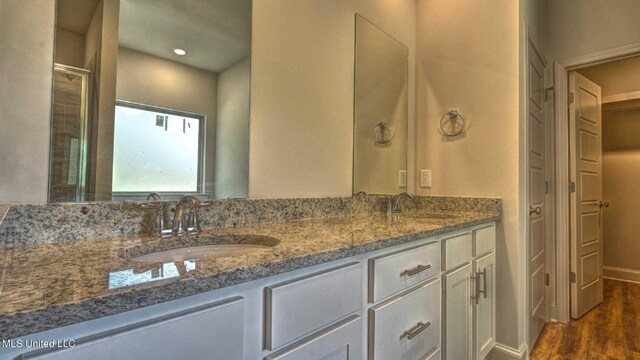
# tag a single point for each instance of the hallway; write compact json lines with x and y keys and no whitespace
{"x":610,"y":331}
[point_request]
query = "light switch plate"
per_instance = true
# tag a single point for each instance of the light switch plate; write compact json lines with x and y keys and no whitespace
{"x":402,"y":178}
{"x":425,"y":178}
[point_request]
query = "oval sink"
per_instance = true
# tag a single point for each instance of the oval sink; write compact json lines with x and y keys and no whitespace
{"x":199,"y":248}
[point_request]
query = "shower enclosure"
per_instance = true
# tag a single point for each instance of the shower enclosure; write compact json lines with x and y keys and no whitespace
{"x":69,"y":134}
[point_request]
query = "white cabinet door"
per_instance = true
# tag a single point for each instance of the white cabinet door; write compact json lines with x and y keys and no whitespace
{"x":458,"y":316}
{"x":485,"y":309}
{"x":406,"y":327}
{"x":213,"y":332}
{"x":342,"y":341}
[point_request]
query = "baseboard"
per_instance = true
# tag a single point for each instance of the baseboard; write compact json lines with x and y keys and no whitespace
{"x":622,"y":274}
{"x":503,"y":352}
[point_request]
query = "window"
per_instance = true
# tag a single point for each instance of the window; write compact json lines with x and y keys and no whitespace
{"x":156,"y":149}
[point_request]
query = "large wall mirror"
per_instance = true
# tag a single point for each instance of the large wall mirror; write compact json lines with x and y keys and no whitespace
{"x":150,"y":96}
{"x":381,"y":111}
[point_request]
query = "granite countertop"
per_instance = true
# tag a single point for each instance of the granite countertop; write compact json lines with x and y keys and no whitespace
{"x":49,"y":285}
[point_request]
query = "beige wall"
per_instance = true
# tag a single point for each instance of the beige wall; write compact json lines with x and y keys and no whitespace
{"x":69,"y":48}
{"x":108,"y":70}
{"x":101,"y":56}
{"x":457,"y":69}
{"x":150,"y":80}
{"x":232,"y":145}
{"x":26,"y":63}
{"x":93,"y":37}
{"x":302,"y":91}
{"x":615,"y":77}
{"x":621,"y":171}
{"x":580,"y":27}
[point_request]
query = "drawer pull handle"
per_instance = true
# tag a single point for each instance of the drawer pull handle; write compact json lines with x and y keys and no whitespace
{"x":476,"y":279}
{"x":483,"y":273}
{"x":416,"y":270}
{"x":414,"y":331}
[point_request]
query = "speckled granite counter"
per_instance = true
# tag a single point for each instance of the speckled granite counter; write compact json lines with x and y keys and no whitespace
{"x":48,"y":285}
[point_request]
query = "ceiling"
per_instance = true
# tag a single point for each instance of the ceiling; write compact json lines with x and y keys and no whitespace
{"x":75,"y":15}
{"x":215,"y":33}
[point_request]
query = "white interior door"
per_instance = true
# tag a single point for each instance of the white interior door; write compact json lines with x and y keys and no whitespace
{"x":586,"y":172}
{"x":537,"y":305}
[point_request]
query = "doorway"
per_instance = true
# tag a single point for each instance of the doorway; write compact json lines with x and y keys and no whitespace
{"x":621,"y":165}
{"x":581,"y":172}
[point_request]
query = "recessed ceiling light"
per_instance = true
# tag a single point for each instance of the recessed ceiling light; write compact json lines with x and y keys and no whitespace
{"x":180,"y":52}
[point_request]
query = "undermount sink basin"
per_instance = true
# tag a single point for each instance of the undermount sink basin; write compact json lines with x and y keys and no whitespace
{"x":199,"y":248}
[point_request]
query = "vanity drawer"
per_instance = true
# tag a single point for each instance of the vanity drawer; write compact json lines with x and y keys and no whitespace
{"x":457,"y":251}
{"x":393,"y":273}
{"x":297,"y":307}
{"x":484,"y":240}
{"x":407,"y":326}
{"x":339,"y":342}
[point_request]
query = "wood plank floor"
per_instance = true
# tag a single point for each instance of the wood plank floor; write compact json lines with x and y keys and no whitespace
{"x":610,"y":331}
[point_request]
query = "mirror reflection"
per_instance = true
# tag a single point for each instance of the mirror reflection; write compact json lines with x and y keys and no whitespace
{"x":150,"y":96}
{"x":381,"y":111}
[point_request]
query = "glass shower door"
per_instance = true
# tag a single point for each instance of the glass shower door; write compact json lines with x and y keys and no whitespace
{"x":69,"y":133}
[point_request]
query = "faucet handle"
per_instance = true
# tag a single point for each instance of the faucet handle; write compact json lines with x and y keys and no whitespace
{"x":205,"y":203}
{"x":155,"y":205}
{"x":154,"y":202}
{"x":193,"y":221}
{"x":186,"y":220}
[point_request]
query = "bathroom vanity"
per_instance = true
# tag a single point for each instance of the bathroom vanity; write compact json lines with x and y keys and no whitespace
{"x":412,"y":285}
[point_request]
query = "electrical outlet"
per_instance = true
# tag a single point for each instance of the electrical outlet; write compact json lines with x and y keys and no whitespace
{"x":425,"y":178}
{"x":402,"y":178}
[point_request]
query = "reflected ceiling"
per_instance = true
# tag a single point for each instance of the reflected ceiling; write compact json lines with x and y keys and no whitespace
{"x":215,"y":33}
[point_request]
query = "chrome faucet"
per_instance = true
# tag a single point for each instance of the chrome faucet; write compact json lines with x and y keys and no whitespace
{"x":154,"y":201}
{"x":185,"y":218}
{"x":394,"y":204}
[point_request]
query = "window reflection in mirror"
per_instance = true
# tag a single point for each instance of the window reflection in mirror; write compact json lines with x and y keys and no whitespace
{"x":381,"y":110}
{"x":145,"y":140}
{"x":150,"y":96}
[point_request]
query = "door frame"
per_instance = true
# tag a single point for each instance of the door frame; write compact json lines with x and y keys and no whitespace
{"x":561,"y":69}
